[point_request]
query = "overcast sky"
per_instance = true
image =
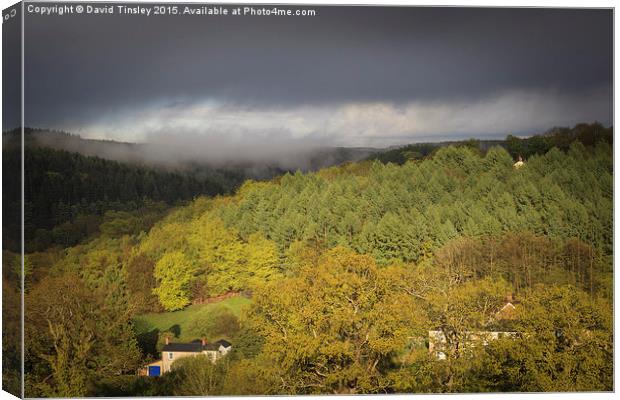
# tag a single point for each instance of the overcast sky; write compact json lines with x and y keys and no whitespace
{"x":354,"y":76}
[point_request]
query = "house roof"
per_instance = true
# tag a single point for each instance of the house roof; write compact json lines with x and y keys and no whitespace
{"x":507,"y":312}
{"x":195,"y":346}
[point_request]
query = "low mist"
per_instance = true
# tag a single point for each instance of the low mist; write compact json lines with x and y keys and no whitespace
{"x":183,"y":151}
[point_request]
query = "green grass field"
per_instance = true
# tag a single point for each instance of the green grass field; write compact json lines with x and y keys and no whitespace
{"x":164,"y":321}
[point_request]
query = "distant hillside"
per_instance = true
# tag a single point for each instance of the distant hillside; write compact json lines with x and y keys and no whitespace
{"x":562,"y":138}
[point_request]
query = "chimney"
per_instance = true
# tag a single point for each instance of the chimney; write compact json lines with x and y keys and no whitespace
{"x":204,"y":341}
{"x":167,"y":340}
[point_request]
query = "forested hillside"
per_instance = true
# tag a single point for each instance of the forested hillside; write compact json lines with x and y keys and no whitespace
{"x":67,"y":194}
{"x":348,"y":269}
{"x":406,"y":214}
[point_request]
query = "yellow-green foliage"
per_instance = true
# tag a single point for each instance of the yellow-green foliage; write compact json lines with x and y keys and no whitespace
{"x":214,"y":259}
{"x":348,"y":269}
{"x":328,"y":329}
{"x":174,"y":274}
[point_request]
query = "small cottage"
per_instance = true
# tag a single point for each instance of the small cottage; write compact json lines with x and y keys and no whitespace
{"x":174,"y":351}
{"x":438,"y":343}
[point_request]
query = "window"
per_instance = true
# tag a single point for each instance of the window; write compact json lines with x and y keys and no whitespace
{"x":170,"y":356}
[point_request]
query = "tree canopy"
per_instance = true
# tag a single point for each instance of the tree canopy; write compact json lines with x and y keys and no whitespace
{"x":368,"y":277}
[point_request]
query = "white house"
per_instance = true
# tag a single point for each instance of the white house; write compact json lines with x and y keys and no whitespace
{"x":174,"y":351}
{"x":437,"y":341}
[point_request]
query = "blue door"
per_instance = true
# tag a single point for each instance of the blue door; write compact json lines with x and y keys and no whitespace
{"x":154,"y":370}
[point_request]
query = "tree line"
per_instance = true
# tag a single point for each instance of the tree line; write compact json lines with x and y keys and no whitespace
{"x":525,"y":147}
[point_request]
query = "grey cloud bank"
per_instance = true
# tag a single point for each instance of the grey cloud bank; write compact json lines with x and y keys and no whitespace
{"x":374,"y":124}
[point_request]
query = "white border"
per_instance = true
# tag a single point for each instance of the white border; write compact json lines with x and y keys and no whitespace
{"x":472,"y":3}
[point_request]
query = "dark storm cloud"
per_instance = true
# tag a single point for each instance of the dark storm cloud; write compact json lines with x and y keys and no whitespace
{"x":90,"y":72}
{"x":78,"y":67}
